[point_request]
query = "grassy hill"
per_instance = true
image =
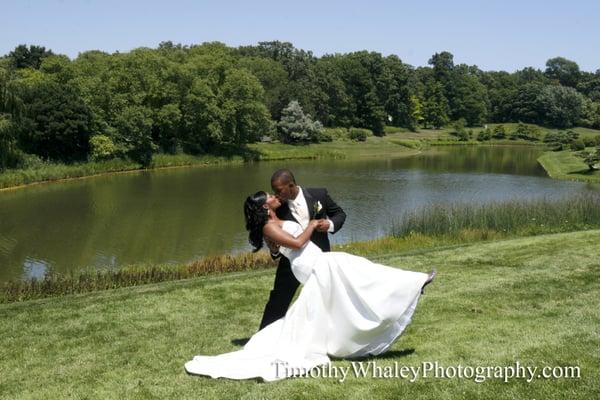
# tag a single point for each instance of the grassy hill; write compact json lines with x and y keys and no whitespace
{"x":568,"y":166}
{"x":533,"y":300}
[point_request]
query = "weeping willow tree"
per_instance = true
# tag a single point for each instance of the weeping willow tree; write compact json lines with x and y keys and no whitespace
{"x":9,"y":110}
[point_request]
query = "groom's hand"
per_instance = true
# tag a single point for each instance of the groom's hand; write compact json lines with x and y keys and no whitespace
{"x":323,"y":225}
{"x":273,"y":247}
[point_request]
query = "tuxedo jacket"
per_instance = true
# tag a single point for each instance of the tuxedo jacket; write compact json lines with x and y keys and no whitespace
{"x":329,"y":209}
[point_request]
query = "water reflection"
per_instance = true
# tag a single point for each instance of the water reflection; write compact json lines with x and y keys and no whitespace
{"x":34,"y":269}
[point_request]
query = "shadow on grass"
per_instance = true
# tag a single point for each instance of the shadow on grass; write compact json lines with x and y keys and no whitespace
{"x":240,"y":342}
{"x":586,"y":171}
{"x":384,"y":356}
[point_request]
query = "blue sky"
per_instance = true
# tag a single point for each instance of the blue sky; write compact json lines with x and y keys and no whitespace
{"x":495,"y":35}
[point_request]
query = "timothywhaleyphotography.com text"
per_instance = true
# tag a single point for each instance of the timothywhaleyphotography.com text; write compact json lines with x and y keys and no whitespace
{"x":429,"y":370}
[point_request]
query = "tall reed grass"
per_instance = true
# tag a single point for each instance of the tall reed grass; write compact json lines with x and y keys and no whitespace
{"x":433,"y":226}
{"x":48,"y":171}
{"x":517,"y":217}
{"x":55,"y":284}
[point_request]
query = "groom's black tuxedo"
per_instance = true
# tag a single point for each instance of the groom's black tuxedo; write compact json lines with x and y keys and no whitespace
{"x":285,"y":282}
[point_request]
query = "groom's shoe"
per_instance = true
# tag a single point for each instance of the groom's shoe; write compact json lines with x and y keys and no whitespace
{"x":432,"y":275}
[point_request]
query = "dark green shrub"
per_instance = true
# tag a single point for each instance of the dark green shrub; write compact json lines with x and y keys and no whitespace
{"x":484,"y":135}
{"x":577,"y":145}
{"x":102,"y":148}
{"x":560,"y":140}
{"x":526,"y":132}
{"x":499,"y":132}
{"x":589,"y":141}
{"x":458,"y":129}
{"x":358,"y":134}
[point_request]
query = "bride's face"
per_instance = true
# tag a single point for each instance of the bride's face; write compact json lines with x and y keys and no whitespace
{"x":272,"y":202}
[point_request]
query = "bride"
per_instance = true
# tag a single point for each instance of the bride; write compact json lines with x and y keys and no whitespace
{"x":348,"y":307}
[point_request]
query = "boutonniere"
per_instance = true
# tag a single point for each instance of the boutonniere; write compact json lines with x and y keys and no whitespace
{"x":317,"y":207}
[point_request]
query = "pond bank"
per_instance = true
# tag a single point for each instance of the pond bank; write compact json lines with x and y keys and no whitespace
{"x":567,"y":166}
{"x":397,"y":143}
{"x":55,"y":173}
{"x":401,"y":144}
{"x":92,"y":280}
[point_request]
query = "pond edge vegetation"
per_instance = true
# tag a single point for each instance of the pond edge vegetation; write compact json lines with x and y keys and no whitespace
{"x":564,"y":162}
{"x":415,"y":231}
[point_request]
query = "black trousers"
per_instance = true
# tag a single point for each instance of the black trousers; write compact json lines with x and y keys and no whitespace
{"x":282,"y":294}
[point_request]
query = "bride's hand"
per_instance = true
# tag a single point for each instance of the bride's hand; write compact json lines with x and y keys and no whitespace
{"x":314,"y":223}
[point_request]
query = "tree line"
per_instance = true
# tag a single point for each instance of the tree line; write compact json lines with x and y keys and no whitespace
{"x":211,"y":98}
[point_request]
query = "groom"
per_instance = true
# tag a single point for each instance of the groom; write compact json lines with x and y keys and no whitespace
{"x":300,"y":205}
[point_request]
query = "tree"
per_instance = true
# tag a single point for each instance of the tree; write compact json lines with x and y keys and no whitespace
{"x":591,"y":158}
{"x":467,"y":96}
{"x":299,"y":64}
{"x":435,"y":109}
{"x":566,"y":72}
{"x":589,"y":85}
{"x":416,"y":112}
{"x":530,"y":75}
{"x":10,"y":155}
{"x":442,"y":64}
{"x":560,"y":106}
{"x":359,"y":72}
{"x":134,"y":132}
{"x":522,"y":104}
{"x":167,"y":125}
{"x":245,"y":117}
{"x":591,"y":114}
{"x":201,"y":118}
{"x":396,"y":94}
{"x":339,"y":109}
{"x":297,"y":127}
{"x":59,"y":67}
{"x":272,"y":77}
{"x":55,"y":123}
{"x":28,"y":57}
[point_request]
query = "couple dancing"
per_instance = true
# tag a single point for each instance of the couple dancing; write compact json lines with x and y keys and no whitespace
{"x":348,"y":306}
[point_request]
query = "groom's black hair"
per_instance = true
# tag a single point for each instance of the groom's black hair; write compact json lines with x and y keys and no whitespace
{"x":284,"y":175}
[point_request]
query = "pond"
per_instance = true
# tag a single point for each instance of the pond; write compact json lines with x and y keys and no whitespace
{"x":176,"y":215}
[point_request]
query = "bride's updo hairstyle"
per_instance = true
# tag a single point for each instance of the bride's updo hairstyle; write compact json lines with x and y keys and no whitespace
{"x":256,"y":217}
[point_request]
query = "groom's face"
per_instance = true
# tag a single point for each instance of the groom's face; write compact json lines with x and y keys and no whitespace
{"x":283,"y":190}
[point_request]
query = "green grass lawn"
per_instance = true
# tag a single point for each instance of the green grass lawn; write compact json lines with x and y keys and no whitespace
{"x":566,"y":165}
{"x":533,"y":300}
{"x":386,"y":146}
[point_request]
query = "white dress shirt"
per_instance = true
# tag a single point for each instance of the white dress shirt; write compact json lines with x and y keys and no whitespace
{"x":299,"y":209}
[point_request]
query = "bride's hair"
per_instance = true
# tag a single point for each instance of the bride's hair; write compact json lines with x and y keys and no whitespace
{"x":256,"y":217}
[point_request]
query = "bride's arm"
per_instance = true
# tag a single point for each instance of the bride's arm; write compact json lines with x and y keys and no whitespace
{"x":278,"y":235}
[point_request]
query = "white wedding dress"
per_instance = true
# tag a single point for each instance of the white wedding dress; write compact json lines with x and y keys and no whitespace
{"x":348,"y":307}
